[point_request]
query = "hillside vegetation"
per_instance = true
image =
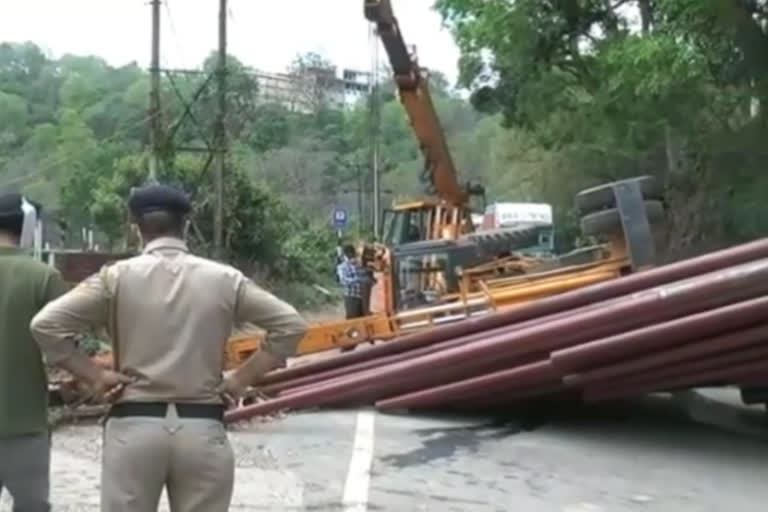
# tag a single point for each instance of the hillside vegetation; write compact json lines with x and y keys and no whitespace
{"x":565,"y":95}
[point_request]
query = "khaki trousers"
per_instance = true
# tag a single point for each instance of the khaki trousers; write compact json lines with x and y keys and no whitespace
{"x":25,"y":471}
{"x":191,"y":457}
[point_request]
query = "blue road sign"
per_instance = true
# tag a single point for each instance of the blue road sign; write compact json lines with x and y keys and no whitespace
{"x":339,"y":218}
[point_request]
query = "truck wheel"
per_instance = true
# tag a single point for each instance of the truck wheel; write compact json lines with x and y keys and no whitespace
{"x":508,"y":239}
{"x":609,"y":221}
{"x":601,"y":197}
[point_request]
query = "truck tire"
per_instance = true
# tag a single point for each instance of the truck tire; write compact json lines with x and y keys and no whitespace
{"x":601,"y":197}
{"x":510,"y":239}
{"x":609,"y":221}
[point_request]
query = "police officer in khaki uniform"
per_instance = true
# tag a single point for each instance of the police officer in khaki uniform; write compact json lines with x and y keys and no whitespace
{"x":169,"y":314}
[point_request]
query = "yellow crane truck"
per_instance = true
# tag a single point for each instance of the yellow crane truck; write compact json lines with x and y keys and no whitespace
{"x":449,"y":271}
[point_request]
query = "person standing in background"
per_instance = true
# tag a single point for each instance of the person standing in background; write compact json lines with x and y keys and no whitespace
{"x":356,"y":281}
{"x":367,"y":287}
{"x":353,"y":278}
{"x":26,"y":286}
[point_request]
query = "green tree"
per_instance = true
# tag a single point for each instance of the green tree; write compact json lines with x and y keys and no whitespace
{"x":74,"y":135}
{"x":606,"y":97}
{"x":13,"y":119}
{"x":315,"y":78}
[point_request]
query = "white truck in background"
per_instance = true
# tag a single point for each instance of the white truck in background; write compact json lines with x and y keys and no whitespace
{"x":514,"y":215}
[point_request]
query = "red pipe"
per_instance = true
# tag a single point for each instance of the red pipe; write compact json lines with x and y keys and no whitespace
{"x":722,"y":374}
{"x":759,"y":352}
{"x":289,"y":386}
{"x":661,"y":335}
{"x":545,"y":306}
{"x":658,"y":304}
{"x":367,"y":388}
{"x":482,"y":400}
{"x":752,"y":380}
{"x":511,"y":380}
{"x":715,"y":345}
{"x":470,"y":365}
{"x":415,"y":381}
{"x":299,"y":384}
{"x":724,"y":292}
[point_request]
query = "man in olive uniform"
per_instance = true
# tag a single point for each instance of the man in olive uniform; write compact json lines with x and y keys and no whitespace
{"x":25,"y":287}
{"x":169,"y":314}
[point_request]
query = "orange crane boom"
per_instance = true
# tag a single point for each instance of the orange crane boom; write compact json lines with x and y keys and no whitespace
{"x":414,"y":94}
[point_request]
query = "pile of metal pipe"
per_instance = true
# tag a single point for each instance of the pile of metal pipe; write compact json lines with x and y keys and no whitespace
{"x":695,"y":322}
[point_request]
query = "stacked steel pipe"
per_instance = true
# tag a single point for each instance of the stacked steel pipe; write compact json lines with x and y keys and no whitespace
{"x":697,"y":322}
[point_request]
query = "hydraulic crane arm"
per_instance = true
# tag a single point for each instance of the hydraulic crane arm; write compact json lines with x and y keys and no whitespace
{"x":415,"y":97}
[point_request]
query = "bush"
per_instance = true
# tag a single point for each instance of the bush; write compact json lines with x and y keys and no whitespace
{"x":302,"y":295}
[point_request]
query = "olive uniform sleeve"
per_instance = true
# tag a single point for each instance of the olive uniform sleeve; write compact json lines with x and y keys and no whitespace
{"x":285,"y":327}
{"x":55,"y":287}
{"x":56,"y":326}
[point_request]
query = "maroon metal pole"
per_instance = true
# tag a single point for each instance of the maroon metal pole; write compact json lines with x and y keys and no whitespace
{"x":675,"y":331}
{"x":301,"y":383}
{"x":511,"y":380}
{"x":290,"y":386}
{"x":716,"y":345}
{"x":438,"y":375}
{"x":651,"y":306}
{"x":661,"y":335}
{"x":759,"y":352}
{"x":367,"y":389}
{"x":568,"y":300}
{"x":757,"y":380}
{"x":721,"y":374}
{"x":483,"y":400}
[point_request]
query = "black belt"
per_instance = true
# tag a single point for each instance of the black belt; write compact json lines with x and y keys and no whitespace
{"x":160,"y":409}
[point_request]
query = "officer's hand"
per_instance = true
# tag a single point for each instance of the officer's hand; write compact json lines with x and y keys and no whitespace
{"x":232,"y":388}
{"x":110,"y":384}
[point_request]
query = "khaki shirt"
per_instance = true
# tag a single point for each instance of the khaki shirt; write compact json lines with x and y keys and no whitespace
{"x":169,"y":314}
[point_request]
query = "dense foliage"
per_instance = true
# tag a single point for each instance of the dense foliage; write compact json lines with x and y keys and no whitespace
{"x":74,"y":135}
{"x":565,"y":95}
{"x":604,"y":89}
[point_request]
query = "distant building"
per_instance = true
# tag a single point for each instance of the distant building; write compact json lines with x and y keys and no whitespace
{"x":305,"y":91}
{"x":280,"y":88}
{"x":356,"y":84}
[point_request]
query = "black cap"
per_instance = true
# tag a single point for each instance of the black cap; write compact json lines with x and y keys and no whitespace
{"x":154,"y":198}
{"x":10,"y":205}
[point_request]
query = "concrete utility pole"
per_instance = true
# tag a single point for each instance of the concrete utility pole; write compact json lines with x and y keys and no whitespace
{"x":154,"y":94}
{"x":221,"y":133}
{"x":214,"y":145}
{"x":360,"y":224}
{"x":374,"y":130}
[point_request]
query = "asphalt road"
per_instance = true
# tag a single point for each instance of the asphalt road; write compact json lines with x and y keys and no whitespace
{"x":636,"y":457}
{"x":639,"y":456}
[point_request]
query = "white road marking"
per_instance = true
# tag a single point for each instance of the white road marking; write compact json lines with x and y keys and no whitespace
{"x":359,"y":475}
{"x":582,"y":507}
{"x":641,"y":498}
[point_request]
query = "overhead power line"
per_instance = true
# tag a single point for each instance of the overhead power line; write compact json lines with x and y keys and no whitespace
{"x":174,"y":33}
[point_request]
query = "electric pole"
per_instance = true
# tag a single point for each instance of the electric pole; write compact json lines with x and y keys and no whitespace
{"x":214,"y":144}
{"x":154,"y":94}
{"x":374,"y":128}
{"x":360,"y":224}
{"x":221,"y":133}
